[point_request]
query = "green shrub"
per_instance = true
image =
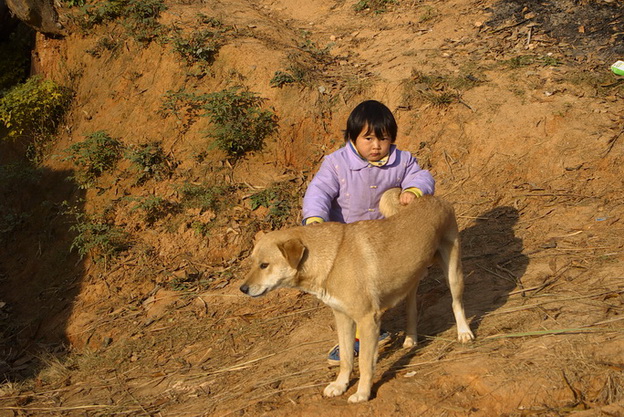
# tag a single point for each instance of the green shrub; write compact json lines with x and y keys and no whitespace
{"x":206,"y":197}
{"x":280,"y":199}
{"x":34,"y":109}
{"x":96,"y":154}
{"x":239,"y":124}
{"x":98,"y":238}
{"x":376,"y":6}
{"x":139,"y":17}
{"x":200,"y":46}
{"x":154,"y":208}
{"x":281,"y":78}
{"x":150,"y":161}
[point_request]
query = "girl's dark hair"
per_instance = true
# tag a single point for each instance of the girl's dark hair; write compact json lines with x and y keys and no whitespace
{"x":376,"y":116}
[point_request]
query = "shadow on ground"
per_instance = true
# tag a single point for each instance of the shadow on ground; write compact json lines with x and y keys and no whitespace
{"x":493,"y":265}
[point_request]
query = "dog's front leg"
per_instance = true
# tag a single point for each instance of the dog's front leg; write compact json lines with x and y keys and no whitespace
{"x":346,"y":338}
{"x":369,"y":328}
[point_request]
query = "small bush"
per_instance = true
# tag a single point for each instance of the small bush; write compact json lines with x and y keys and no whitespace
{"x":200,"y":46}
{"x":34,"y":109}
{"x":280,"y":199}
{"x":95,"y":155}
{"x":98,"y":238}
{"x":139,"y":17}
{"x":154,"y":208}
{"x":281,"y":78}
{"x":150,"y":161}
{"x":206,"y":197}
{"x":376,"y":6}
{"x":239,"y":124}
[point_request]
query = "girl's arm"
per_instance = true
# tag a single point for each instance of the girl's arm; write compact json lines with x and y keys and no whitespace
{"x":322,"y":190}
{"x":416,"y":177}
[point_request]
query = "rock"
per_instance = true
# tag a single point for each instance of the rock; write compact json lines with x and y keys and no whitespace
{"x":38,"y":14}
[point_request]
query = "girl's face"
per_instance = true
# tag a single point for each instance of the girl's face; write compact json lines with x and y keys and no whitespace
{"x":371,"y":147}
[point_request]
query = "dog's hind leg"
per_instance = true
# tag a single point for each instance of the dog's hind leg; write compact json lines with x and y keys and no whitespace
{"x":346,"y":338}
{"x":368,"y":327}
{"x":450,"y":255}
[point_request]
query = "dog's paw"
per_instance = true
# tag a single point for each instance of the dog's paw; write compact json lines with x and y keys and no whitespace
{"x":410,"y":342}
{"x":465,"y":336}
{"x":358,"y":397}
{"x":334,"y":389}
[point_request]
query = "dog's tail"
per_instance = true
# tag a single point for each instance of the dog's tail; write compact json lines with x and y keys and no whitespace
{"x":389,"y":204}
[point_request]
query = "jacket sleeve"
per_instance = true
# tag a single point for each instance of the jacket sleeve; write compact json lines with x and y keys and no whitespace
{"x":417,"y":177}
{"x":322,"y":190}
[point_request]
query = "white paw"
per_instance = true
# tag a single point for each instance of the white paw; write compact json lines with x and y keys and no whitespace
{"x":358,"y":397}
{"x":410,"y":342}
{"x":465,"y":336}
{"x":334,"y":389}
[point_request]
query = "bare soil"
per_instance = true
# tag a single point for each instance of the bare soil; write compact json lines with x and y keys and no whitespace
{"x":510,"y":104}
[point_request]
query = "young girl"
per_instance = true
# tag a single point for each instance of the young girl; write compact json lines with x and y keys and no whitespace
{"x":349,"y":184}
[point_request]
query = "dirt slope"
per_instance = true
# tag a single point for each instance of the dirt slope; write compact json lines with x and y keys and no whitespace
{"x":510,"y":106}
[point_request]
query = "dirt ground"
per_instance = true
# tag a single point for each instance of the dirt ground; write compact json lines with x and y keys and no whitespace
{"x":510,"y":104}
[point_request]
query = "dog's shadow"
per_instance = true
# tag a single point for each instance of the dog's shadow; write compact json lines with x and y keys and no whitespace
{"x":493,"y":265}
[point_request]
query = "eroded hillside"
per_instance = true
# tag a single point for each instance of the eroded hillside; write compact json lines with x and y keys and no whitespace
{"x":511,"y":107}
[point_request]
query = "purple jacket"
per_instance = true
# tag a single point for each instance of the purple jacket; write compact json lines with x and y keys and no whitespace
{"x":347,"y":188}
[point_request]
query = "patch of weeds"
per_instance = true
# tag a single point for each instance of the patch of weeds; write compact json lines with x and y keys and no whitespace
{"x":202,"y":229}
{"x":313,"y":49}
{"x":99,"y":238}
{"x":206,"y":197}
{"x":34,"y":109}
{"x":154,"y":208}
{"x":150,"y":161}
{"x":281,"y":78}
{"x":429,"y":14}
{"x":240,"y":125}
{"x":138,"y":17}
{"x":185,"y":106}
{"x":201,"y":45}
{"x":280,"y":199}
{"x":107,"y":43}
{"x":95,"y":155}
{"x":374,"y":6}
{"x":437,"y":90}
{"x":600,"y":83}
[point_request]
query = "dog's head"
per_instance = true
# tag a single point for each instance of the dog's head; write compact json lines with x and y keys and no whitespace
{"x":274,"y":263}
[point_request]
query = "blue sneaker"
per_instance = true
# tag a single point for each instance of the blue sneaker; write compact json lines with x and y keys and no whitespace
{"x":333,"y":356}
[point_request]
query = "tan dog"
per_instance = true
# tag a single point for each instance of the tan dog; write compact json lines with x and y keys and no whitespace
{"x":362,"y":269}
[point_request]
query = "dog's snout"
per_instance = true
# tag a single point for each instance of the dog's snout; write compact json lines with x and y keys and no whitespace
{"x":244,"y":288}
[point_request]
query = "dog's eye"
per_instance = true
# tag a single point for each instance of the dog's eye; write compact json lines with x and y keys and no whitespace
{"x":264,"y":266}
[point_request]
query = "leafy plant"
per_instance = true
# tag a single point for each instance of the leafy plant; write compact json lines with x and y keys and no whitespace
{"x":438,"y":90}
{"x":139,"y":17}
{"x":34,"y":109}
{"x":98,"y":238}
{"x":150,"y":161}
{"x":376,"y":6}
{"x":280,"y":199}
{"x":239,"y":124}
{"x":96,"y":154}
{"x":205,"y":197}
{"x":281,"y":78}
{"x":154,"y":208}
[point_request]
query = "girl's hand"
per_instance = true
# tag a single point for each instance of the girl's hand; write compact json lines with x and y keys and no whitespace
{"x":406,"y":197}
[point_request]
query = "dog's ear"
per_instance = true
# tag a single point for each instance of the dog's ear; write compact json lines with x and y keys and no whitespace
{"x":293,"y":251}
